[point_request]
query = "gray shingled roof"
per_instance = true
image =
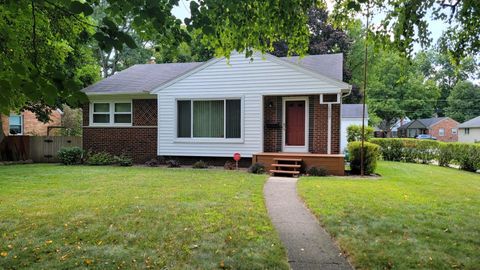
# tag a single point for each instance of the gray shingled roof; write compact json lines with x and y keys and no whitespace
{"x":330,"y":65}
{"x":140,"y":78}
{"x":427,"y":122}
{"x":353,"y":111}
{"x":472,"y":123}
{"x":143,"y":78}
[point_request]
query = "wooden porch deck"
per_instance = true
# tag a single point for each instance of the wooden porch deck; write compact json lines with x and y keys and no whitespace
{"x":334,"y":163}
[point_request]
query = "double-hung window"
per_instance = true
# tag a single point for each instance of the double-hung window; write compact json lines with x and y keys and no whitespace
{"x":15,"y":123}
{"x":217,"y":118}
{"x":112,"y":113}
{"x":441,"y":132}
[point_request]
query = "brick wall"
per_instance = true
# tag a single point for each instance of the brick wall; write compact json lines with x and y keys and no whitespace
{"x":138,"y":141}
{"x":31,"y":126}
{"x":318,"y":127}
{"x":272,"y":130}
{"x":448,"y":124}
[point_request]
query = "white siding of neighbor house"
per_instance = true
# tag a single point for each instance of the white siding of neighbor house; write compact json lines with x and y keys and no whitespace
{"x":472,"y":137}
{"x":239,"y":78}
{"x":346,"y":122}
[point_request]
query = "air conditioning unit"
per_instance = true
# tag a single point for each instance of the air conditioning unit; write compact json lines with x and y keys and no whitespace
{"x":330,"y":98}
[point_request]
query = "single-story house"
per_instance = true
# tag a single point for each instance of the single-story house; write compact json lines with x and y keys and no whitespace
{"x":26,"y":123}
{"x":351,"y":115}
{"x":268,"y":109}
{"x":445,"y":129}
{"x":469,"y":131}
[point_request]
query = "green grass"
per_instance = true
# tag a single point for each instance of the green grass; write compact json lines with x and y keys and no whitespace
{"x":54,"y":216}
{"x":414,"y":217}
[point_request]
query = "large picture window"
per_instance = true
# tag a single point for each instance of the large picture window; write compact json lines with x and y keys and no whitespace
{"x":112,"y":113}
{"x":209,"y":118}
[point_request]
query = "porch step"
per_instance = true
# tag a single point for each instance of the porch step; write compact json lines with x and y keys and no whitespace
{"x":286,"y":172}
{"x":287,"y":165}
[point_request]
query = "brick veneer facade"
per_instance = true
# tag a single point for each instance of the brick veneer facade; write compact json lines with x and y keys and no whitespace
{"x":138,"y":141}
{"x":31,"y":125}
{"x":447,"y":124}
{"x":318,"y":125}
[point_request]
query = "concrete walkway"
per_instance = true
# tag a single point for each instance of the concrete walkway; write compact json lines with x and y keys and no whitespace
{"x":308,"y":245}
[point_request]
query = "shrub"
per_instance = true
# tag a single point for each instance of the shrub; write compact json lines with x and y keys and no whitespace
{"x":200,"y":165}
{"x":70,"y":155}
{"x":230,"y":165}
{"x":123,"y":160}
{"x":317,"y":171}
{"x":391,"y":149}
{"x":152,"y":163}
{"x":100,"y":158}
{"x":172,"y":163}
{"x":371,"y":154}
{"x":467,"y":156}
{"x":257,"y":168}
{"x":446,"y":154}
{"x":354,"y":133}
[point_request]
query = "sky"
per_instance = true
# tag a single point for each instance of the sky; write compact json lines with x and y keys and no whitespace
{"x":436,"y":28}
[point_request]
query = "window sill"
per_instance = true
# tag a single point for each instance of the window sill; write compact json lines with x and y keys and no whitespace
{"x":207,"y":140}
{"x":110,"y":125}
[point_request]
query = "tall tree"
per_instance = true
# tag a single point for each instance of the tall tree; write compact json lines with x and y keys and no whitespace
{"x":405,"y":22}
{"x":463,"y":102}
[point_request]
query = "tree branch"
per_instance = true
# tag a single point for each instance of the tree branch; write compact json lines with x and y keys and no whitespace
{"x":34,"y":36}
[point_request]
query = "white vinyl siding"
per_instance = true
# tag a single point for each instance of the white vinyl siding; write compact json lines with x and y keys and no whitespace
{"x":240,"y":78}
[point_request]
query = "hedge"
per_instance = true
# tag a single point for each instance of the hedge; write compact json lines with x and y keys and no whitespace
{"x":467,"y":156}
{"x":371,"y":155}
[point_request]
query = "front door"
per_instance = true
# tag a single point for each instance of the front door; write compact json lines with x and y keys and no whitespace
{"x":295,"y":125}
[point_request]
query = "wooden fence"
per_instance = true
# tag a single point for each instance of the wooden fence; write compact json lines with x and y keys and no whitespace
{"x":36,"y":148}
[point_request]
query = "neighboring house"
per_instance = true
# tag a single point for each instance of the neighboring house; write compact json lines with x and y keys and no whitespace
{"x":351,"y":115}
{"x":26,"y":123}
{"x":213,"y":109}
{"x":380,"y":133}
{"x":469,"y":132}
{"x":443,"y":128}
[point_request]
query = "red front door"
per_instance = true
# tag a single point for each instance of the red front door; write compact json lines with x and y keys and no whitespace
{"x":295,"y":123}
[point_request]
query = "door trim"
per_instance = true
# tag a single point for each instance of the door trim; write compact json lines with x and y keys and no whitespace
{"x":286,"y":148}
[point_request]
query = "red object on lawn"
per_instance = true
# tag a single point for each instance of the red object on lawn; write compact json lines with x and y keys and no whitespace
{"x":237,"y":156}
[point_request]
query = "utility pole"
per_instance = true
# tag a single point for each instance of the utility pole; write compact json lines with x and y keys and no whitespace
{"x":364,"y":96}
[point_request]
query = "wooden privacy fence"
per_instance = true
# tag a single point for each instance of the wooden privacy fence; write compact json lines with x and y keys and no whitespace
{"x":36,"y":148}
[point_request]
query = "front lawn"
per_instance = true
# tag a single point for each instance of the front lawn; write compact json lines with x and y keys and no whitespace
{"x":414,"y":217}
{"x":54,"y":216}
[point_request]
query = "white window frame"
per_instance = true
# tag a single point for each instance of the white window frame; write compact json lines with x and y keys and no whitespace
{"x":454,"y":131}
{"x":467,"y":131}
{"x":21,"y":125}
{"x":111,"y":114}
{"x":192,"y":139}
{"x":441,"y":132}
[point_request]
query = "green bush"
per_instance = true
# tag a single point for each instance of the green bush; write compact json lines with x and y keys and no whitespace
{"x":354,"y":133}
{"x":446,"y":154}
{"x":100,"y":158}
{"x":467,"y":156}
{"x":317,"y":171}
{"x":70,"y":155}
{"x":371,"y":155}
{"x":257,"y":168}
{"x":391,"y":149}
{"x":124,"y":160}
{"x":200,"y":165}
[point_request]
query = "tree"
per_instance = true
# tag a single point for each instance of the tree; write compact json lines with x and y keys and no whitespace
{"x":405,"y":22}
{"x":463,"y":102}
{"x":71,"y":121}
{"x":398,"y":89}
{"x":324,"y":38}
